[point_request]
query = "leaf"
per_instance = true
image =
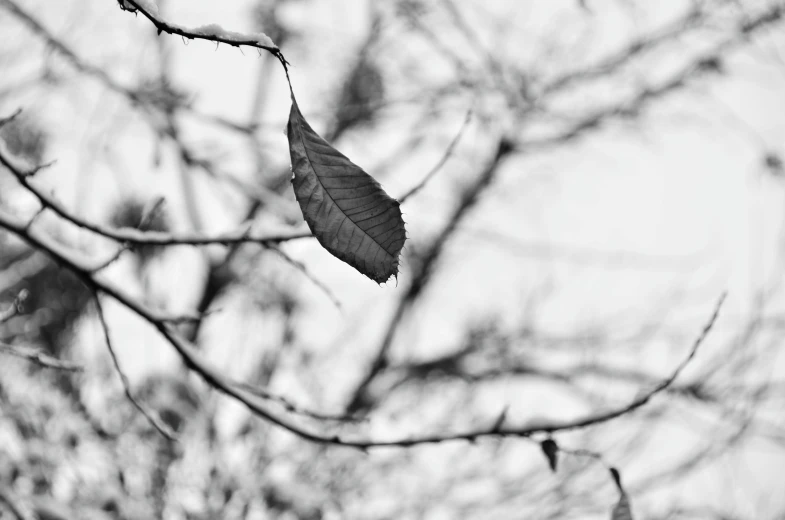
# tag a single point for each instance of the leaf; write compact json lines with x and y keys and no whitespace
{"x":346,"y":209}
{"x":551,"y":451}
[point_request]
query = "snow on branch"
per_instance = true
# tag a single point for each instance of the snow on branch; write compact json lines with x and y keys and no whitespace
{"x":210,"y":32}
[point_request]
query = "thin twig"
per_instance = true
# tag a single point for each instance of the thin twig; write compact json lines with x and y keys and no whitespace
{"x":212,"y":376}
{"x":445,"y":157}
{"x":359,"y":396}
{"x":150,"y":415}
{"x":296,"y":409}
{"x":235,"y":40}
{"x":678,"y":80}
{"x":66,"y":51}
{"x":39,"y":357}
{"x":112,"y":259}
{"x":304,"y":270}
{"x":23,"y":171}
{"x":614,"y":62}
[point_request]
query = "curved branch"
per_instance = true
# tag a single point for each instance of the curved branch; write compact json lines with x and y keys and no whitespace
{"x":195,"y":362}
{"x":445,"y":157}
{"x":212,"y":33}
{"x":24,"y":173}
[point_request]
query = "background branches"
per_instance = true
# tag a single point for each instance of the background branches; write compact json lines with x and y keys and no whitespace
{"x":586,"y":213}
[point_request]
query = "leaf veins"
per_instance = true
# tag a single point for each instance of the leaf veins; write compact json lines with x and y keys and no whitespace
{"x":346,"y":209}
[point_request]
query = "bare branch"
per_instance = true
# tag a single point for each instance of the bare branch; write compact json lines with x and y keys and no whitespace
{"x":445,"y":157}
{"x":209,"y":33}
{"x":700,"y":64}
{"x":621,"y":58}
{"x":66,"y":51}
{"x":23,"y":172}
{"x":212,"y":376}
{"x":304,"y":270}
{"x":151,"y":416}
{"x":359,"y":399}
{"x":112,"y":259}
{"x":289,"y":406}
{"x":39,"y":357}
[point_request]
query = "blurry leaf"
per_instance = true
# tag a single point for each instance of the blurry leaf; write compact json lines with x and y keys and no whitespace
{"x":346,"y":209}
{"x":551,"y":451}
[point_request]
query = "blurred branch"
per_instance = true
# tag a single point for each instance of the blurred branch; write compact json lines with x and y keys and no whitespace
{"x":624,"y":56}
{"x":24,"y":173}
{"x":304,"y":270}
{"x":66,"y":51}
{"x":254,"y":191}
{"x":704,"y":63}
{"x":445,"y":157}
{"x":82,"y":269}
{"x":142,"y":99}
{"x":39,"y":357}
{"x":153,"y":418}
{"x":360,"y":399}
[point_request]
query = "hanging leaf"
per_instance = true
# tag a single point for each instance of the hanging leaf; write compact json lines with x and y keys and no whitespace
{"x":347,"y":210}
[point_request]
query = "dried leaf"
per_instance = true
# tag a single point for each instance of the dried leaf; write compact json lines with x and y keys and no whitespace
{"x":551,"y":451}
{"x":347,"y":210}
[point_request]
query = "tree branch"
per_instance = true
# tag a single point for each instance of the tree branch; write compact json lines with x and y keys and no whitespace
{"x":438,"y":166}
{"x":212,"y":33}
{"x":24,"y":174}
{"x":151,"y":416}
{"x":360,"y":400}
{"x":39,"y":357}
{"x":194,"y":361}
